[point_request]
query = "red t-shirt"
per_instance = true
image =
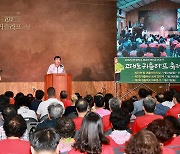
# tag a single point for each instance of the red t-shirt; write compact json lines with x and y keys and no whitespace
{"x":152,"y":45}
{"x":78,"y":122}
{"x":14,"y":146}
{"x":106,"y":149}
{"x":143,"y":45}
{"x":174,"y":111}
{"x":142,"y":121}
{"x":173,"y":143}
{"x":177,"y":46}
{"x":167,"y":150}
{"x":164,"y":45}
{"x":106,"y":123}
{"x":66,"y":103}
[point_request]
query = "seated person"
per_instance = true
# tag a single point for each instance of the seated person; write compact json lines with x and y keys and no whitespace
{"x":128,"y":104}
{"x":70,"y":111}
{"x":45,"y":141}
{"x":38,"y":99}
{"x":10,"y":95}
{"x":24,"y":109}
{"x":119,"y":118}
{"x":4,"y":102}
{"x":66,"y":129}
{"x":114,"y":103}
{"x":148,"y":52}
{"x":91,"y":138}
{"x":175,"y":110}
{"x":82,"y":108}
{"x":63,"y":98}
{"x":42,"y":110}
{"x":99,"y":106}
{"x":138,"y":105}
{"x":175,"y":123}
{"x":144,"y":142}
{"x":10,"y":112}
{"x":90,"y":101}
{"x":107,"y":97}
{"x":162,"y":51}
{"x":174,"y":142}
{"x":160,"y":109}
{"x":168,"y":99}
{"x":14,"y":128}
{"x":141,"y":122}
{"x":55,"y":111}
{"x":163,"y":131}
{"x":133,"y":53}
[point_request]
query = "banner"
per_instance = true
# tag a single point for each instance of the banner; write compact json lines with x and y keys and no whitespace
{"x":147,"y":70}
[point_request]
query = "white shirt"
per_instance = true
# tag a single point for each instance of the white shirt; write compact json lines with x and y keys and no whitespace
{"x":26,"y":112}
{"x":53,"y":69}
{"x":43,"y":106}
{"x":168,"y":104}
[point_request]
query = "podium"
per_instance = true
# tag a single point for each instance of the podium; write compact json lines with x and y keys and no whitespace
{"x":59,"y":82}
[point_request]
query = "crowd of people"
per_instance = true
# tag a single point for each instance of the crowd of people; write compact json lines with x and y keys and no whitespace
{"x":148,"y":123}
{"x":131,"y":44}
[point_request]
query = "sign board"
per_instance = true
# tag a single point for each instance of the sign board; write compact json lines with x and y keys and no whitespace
{"x":147,"y":70}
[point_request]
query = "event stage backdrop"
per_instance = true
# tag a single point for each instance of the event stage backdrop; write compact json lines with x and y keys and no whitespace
{"x":32,"y":32}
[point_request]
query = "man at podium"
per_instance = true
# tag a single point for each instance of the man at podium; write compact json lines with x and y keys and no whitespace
{"x":57,"y":67}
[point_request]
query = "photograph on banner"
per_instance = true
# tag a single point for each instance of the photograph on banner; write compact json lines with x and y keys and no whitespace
{"x":146,"y":32}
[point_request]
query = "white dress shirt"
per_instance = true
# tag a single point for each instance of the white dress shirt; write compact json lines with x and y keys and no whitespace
{"x":53,"y":69}
{"x":43,"y":106}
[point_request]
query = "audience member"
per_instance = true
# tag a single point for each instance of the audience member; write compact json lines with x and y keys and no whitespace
{"x":8,"y":113}
{"x":66,"y":129}
{"x":82,"y":108}
{"x":119,"y":119}
{"x":70,"y":111}
{"x":91,"y":138}
{"x":4,"y":102}
{"x":138,"y":105}
{"x":141,"y":122}
{"x":10,"y":95}
{"x":16,"y":100}
{"x":144,"y":142}
{"x":63,"y":98}
{"x":148,"y":52}
{"x":168,"y":97}
{"x":24,"y":109}
{"x":42,"y":108}
{"x":45,"y":141}
{"x":128,"y":104}
{"x":14,"y":129}
{"x":38,"y":99}
{"x":175,"y":123}
{"x":175,"y":110}
{"x":163,"y":131}
{"x":160,"y":109}
{"x":174,"y":142}
{"x":90,"y":101}
{"x":30,"y":98}
{"x":78,"y":95}
{"x":114,"y":103}
{"x":107,"y":97}
{"x":55,"y":111}
{"x":99,"y":105}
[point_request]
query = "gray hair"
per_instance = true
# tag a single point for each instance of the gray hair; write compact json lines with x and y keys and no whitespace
{"x":149,"y":104}
{"x":55,"y":110}
{"x":114,"y":103}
